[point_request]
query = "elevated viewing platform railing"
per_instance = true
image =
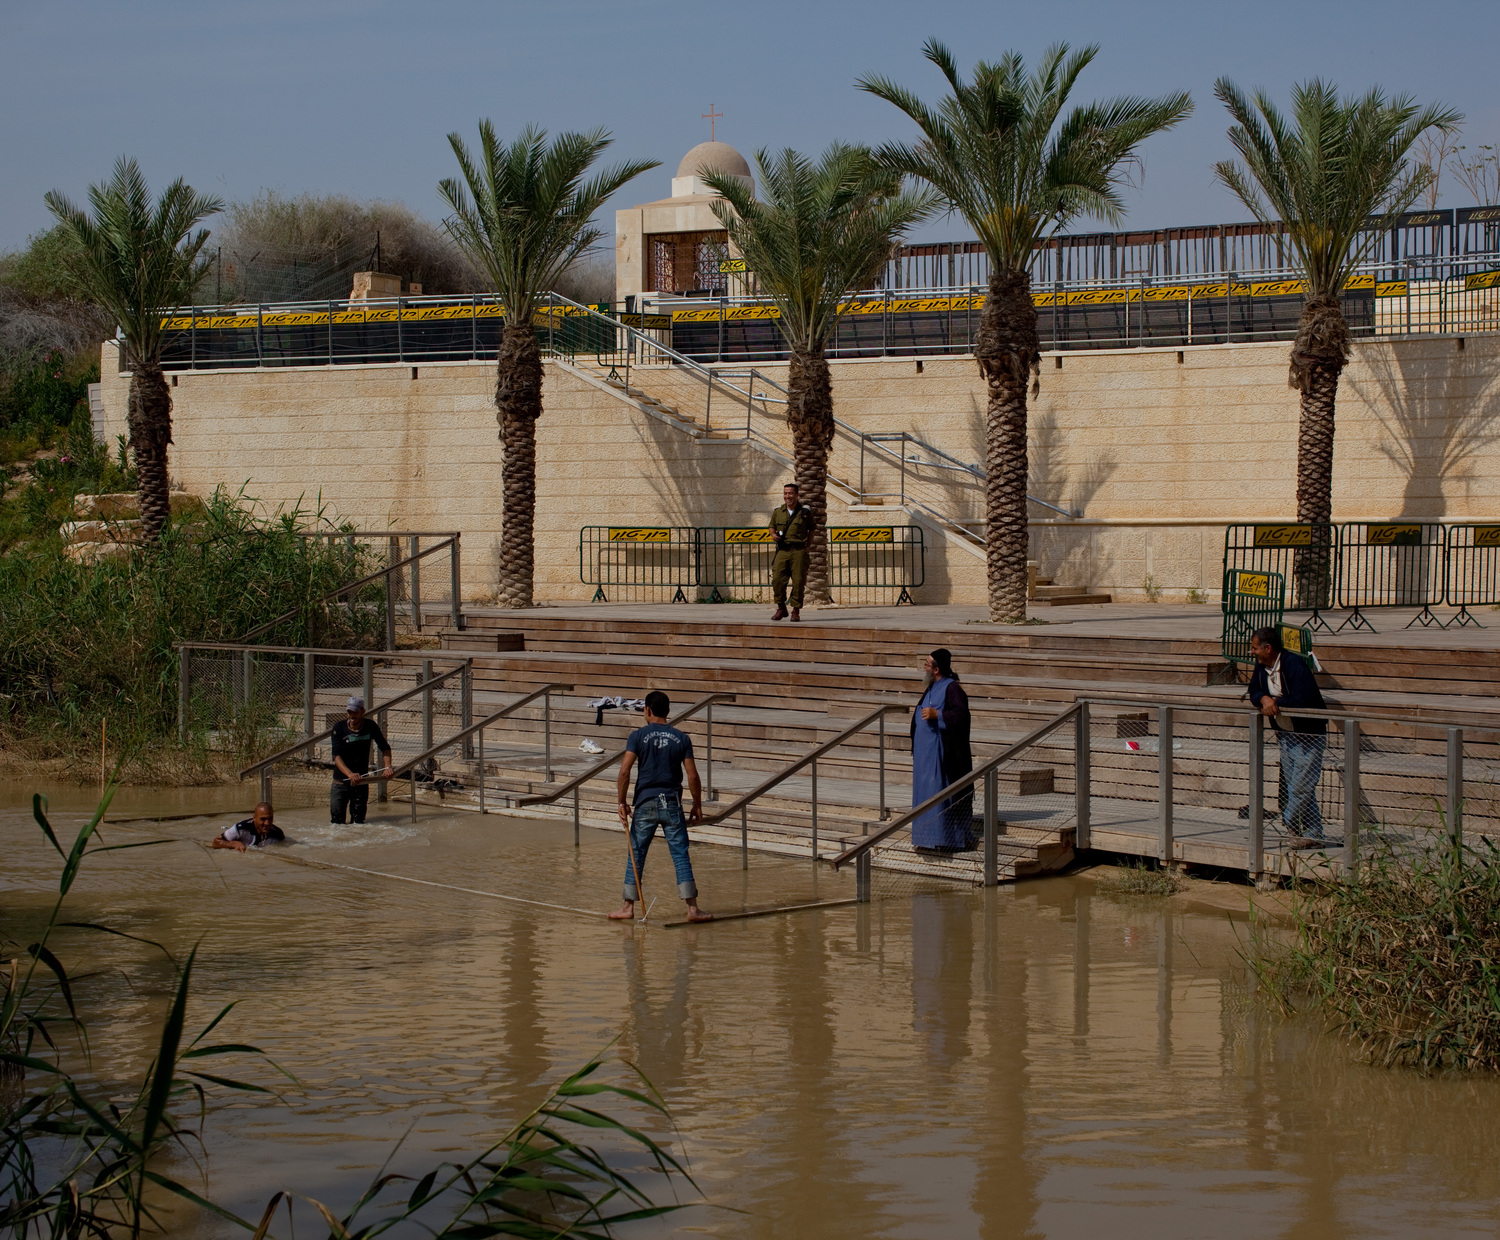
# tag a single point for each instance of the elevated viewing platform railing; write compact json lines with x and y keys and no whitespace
{"x":1423,"y":295}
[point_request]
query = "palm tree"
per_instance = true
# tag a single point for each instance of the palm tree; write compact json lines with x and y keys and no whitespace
{"x":136,"y":259}
{"x":824,"y":231}
{"x":1002,"y":155}
{"x":1321,"y":177}
{"x":523,"y":215}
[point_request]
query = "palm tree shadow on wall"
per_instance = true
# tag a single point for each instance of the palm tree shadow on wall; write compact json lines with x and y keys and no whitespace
{"x":1069,"y":556}
{"x":1435,"y":417}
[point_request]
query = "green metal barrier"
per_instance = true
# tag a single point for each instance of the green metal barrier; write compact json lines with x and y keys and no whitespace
{"x":1251,"y":601}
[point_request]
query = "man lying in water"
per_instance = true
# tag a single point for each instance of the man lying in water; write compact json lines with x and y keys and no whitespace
{"x":260,"y":828}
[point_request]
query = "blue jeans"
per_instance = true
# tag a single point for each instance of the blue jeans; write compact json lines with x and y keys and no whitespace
{"x":1302,"y":764}
{"x":664,"y":811}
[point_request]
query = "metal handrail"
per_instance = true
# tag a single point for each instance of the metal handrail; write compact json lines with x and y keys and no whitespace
{"x":370,"y":708}
{"x":958,"y":785}
{"x":1233,"y":706}
{"x":605,"y":763}
{"x":786,"y":772}
{"x":385,"y":572}
{"x":469,"y":731}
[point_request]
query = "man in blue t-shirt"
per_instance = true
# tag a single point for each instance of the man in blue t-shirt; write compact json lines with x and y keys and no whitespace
{"x":663,"y":754}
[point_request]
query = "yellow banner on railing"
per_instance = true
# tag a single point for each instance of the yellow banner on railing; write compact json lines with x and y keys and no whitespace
{"x":747,"y":536}
{"x":638,"y":534}
{"x":863,"y":534}
{"x":1256,"y":585}
{"x":1283,"y":536}
{"x":1487,"y":535}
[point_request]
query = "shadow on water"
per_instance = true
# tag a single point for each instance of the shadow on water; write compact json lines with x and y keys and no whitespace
{"x":1039,"y":1060}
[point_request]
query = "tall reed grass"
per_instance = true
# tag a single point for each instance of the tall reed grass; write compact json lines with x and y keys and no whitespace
{"x":83,"y":642}
{"x":1403,"y":958}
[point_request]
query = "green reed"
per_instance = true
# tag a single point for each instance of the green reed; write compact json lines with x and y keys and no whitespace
{"x":1140,"y":878}
{"x":83,"y":642}
{"x":1403,"y":957}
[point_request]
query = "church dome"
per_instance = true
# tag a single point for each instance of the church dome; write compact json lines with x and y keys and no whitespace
{"x":713,"y":157}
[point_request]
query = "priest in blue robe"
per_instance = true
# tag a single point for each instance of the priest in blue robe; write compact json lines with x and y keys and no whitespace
{"x":940,"y":754}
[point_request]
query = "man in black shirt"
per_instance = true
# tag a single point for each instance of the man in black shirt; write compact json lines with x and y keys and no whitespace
{"x":664,"y":754}
{"x":351,"y":741}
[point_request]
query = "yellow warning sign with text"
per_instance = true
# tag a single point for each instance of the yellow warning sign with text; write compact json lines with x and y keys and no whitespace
{"x":1487,"y":535}
{"x":863,"y":534}
{"x":1283,"y":536}
{"x":748,"y":536}
{"x":638,"y":534}
{"x":1393,"y":535}
{"x":1257,"y":585}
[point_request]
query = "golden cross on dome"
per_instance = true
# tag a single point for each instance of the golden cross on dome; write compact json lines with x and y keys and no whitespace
{"x":710,"y":116}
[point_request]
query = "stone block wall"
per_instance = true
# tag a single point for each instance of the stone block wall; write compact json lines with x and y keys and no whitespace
{"x":1157,"y":449}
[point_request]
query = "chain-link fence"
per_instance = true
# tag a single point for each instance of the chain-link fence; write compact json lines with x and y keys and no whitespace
{"x":254,"y":702}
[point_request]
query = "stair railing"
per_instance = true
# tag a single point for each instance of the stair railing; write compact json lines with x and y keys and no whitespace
{"x":573,"y":785}
{"x":988,"y":772}
{"x":409,"y":767}
{"x":742,"y":804}
{"x":425,"y":687}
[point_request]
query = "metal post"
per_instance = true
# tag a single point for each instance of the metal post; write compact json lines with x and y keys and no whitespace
{"x":416,"y":583}
{"x":481,"y":771}
{"x":991,"y":828}
{"x":466,"y":705}
{"x":390,"y":611}
{"x":862,"y":878}
{"x":368,"y":686}
{"x":455,"y":604}
{"x":547,"y":735}
{"x":744,"y":838}
{"x":709,"y":792}
{"x":1351,"y":795}
{"x":1255,"y":848}
{"x":815,"y":808}
{"x":575,"y":820}
{"x":1164,"y":782}
{"x":1456,"y":784}
{"x":708,"y":400}
{"x":411,"y":775}
{"x":426,"y":705}
{"x":1082,"y":779}
{"x":265,"y":784}
{"x":309,"y":679}
{"x":884,"y":812}
{"x":245,"y":681}
{"x":184,"y":670}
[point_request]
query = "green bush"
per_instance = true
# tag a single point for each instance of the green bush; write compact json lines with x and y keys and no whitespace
{"x":81,"y":642}
{"x":1404,"y":958}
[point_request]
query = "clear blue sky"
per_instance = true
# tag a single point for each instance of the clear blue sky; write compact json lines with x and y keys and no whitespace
{"x":356,"y":98}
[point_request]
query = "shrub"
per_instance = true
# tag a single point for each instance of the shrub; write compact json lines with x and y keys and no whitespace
{"x":1404,"y":958}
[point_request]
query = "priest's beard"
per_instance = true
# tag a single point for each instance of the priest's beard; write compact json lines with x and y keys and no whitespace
{"x":927,"y":678}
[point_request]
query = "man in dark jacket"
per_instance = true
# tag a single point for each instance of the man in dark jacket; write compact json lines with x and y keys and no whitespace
{"x":1281,"y":682}
{"x":940,"y":754}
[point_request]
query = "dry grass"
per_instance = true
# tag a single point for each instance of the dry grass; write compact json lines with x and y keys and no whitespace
{"x":1140,"y":878}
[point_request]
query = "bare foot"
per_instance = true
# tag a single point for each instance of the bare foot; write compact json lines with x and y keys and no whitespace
{"x":626,"y":912}
{"x":695,"y":913}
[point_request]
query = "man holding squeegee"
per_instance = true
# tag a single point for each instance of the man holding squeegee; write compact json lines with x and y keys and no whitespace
{"x":663,"y":754}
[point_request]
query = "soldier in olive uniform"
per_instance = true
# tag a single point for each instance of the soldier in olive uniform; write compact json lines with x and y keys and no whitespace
{"x":792,"y":527}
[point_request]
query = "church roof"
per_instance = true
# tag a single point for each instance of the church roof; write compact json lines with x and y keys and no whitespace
{"x":713,"y":157}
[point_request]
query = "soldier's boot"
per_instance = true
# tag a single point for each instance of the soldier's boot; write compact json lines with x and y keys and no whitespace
{"x":796,"y":614}
{"x":780,"y":613}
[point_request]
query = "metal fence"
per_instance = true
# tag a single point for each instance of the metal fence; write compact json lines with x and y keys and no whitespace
{"x":1251,"y":601}
{"x":638,"y":562}
{"x":1202,"y":784}
{"x":1445,"y":294}
{"x":251,"y":701}
{"x":1391,"y":564}
{"x":652,"y":563}
{"x":1471,"y":572}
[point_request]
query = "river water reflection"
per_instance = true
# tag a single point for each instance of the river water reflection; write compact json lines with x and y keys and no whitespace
{"x":1040,"y":1060}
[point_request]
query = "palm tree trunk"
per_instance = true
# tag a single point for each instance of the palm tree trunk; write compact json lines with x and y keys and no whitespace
{"x":1318,"y":357}
{"x":149,"y":414}
{"x":810,"y":415}
{"x":1007,"y":351}
{"x":518,"y":404}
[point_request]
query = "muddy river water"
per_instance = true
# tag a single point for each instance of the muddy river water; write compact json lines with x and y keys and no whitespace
{"x":1040,"y":1060}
